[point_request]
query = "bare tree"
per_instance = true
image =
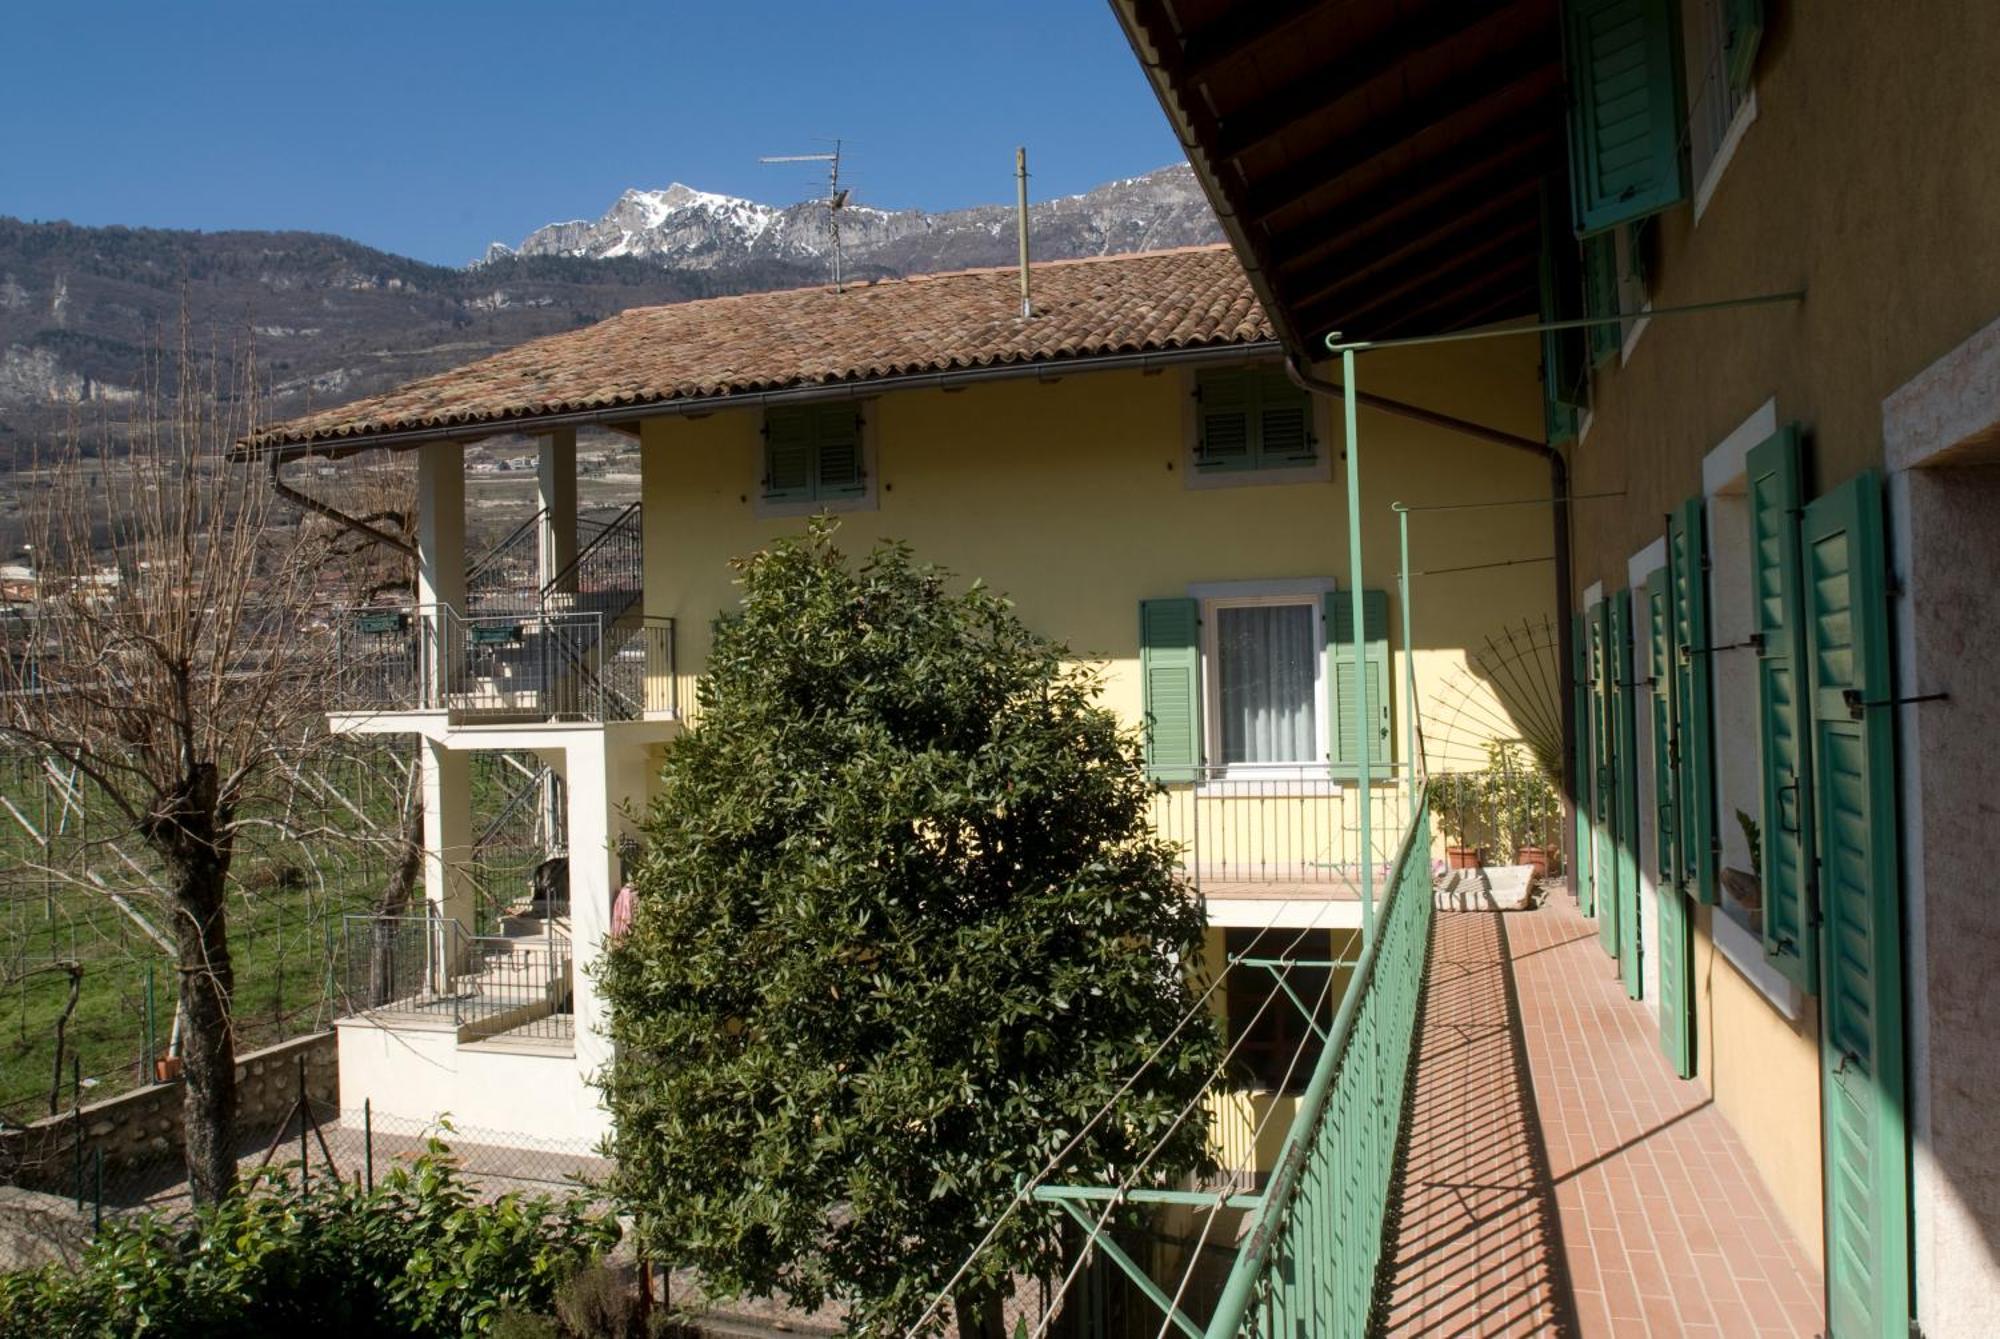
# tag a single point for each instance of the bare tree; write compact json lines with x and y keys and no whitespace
{"x":382,"y":494}
{"x":170,"y":659}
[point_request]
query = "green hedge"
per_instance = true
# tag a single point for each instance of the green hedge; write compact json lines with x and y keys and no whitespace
{"x":420,"y":1254}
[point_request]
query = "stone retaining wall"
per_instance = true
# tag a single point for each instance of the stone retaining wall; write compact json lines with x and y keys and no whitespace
{"x":143,"y":1127}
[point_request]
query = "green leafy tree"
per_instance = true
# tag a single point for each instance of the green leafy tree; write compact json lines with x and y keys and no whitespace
{"x":902,"y":932}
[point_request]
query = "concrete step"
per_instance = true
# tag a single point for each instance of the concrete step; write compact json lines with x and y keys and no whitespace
{"x":1488,"y":888}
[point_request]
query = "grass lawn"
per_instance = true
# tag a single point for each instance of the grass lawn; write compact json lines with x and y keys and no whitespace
{"x":286,"y":901}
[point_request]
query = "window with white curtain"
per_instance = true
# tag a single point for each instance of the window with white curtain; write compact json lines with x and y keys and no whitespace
{"x":1266,"y":658}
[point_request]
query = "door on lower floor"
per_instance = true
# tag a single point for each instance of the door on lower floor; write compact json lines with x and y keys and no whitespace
{"x":1852,"y":723}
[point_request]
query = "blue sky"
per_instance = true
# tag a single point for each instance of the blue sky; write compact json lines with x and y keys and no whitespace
{"x":431,"y":127}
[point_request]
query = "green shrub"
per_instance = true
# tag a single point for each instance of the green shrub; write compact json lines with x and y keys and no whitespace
{"x":418,"y":1255}
{"x":903,"y":931}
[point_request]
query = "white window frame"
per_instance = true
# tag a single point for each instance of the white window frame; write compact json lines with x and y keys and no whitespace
{"x":1705,"y":56}
{"x":1214,"y":596}
{"x":1635,"y":324}
{"x":1639,"y":570}
{"x":865,"y":500}
{"x":1320,"y":471}
{"x":1724,"y":473}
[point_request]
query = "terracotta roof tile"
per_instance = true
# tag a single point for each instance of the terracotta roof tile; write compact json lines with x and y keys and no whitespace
{"x":1158,"y":301}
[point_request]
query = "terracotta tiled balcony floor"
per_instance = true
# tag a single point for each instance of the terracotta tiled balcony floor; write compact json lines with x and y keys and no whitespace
{"x":1560,"y":1179}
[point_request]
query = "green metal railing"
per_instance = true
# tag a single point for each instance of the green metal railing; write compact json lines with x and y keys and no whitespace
{"x":1308,"y":1260}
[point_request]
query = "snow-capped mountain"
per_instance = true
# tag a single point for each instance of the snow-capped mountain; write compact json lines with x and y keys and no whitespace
{"x":685,"y":228}
{"x":81,"y":307}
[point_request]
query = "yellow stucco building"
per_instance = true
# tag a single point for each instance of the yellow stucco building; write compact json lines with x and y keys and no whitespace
{"x":1130,"y":465}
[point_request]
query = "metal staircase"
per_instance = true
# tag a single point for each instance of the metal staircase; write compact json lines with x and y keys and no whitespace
{"x":575,"y":647}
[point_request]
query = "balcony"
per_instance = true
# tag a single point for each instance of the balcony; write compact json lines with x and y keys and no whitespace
{"x":430,"y":973}
{"x":1491,"y":1142}
{"x":504,"y":668}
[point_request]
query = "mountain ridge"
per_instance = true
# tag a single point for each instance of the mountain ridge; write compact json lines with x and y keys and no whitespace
{"x":83,"y":309}
{"x":696,"y":229}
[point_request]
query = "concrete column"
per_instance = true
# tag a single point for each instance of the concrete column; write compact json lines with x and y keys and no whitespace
{"x":440,"y":548}
{"x":447,"y":783}
{"x":556,"y":491}
{"x":606,"y":784}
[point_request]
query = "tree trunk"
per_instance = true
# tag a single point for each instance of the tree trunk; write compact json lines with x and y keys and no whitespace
{"x":395,"y":902}
{"x":979,"y":1316}
{"x":187,"y":828}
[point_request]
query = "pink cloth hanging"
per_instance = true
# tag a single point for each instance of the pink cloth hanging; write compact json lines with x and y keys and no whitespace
{"x":622,"y":908}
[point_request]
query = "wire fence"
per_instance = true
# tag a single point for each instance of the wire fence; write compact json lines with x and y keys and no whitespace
{"x":87,"y":956}
{"x":87,"y":960}
{"x":58,"y":1201}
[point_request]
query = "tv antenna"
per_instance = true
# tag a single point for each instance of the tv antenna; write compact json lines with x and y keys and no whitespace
{"x":836,"y":196}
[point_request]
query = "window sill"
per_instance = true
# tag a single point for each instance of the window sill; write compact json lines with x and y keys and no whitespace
{"x":1731,"y":137}
{"x":833,"y":506}
{"x":1745,"y":952}
{"x":1318,"y":472}
{"x":1631,"y":340}
{"x":1258,"y":779}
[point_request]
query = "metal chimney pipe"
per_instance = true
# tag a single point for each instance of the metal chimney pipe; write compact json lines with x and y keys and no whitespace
{"x":1021,"y":195}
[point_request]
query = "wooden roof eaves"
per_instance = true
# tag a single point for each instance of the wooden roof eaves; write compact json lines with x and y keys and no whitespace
{"x":1145,"y":29}
{"x":1436,"y":233}
{"x":1417,"y":279}
{"x":1496,"y":155}
{"x":1501,"y":83}
{"x":1424,"y":35}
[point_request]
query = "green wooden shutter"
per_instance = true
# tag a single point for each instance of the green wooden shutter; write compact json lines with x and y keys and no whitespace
{"x":1625,"y":736}
{"x":1659,"y":662}
{"x":1565,"y":356}
{"x":1625,"y":110}
{"x":1338,"y":619}
{"x":1600,"y":296}
{"x":1746,"y":30}
{"x":837,"y":451}
{"x":1676,"y":916}
{"x":1284,"y":422}
{"x":1694,"y":716}
{"x":1677,"y":979}
{"x":1581,"y":857}
{"x":1778,"y":597}
{"x":1170,"y":668}
{"x":1226,"y":412}
{"x":788,"y":454}
{"x":1852,"y":729}
{"x":1603,"y":836}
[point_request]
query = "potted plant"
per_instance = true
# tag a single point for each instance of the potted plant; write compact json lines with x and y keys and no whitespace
{"x":1522,"y":797}
{"x":1454,"y":799}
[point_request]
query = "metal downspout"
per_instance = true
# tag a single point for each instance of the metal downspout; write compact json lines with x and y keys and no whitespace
{"x":1363,"y":723}
{"x":1559,"y":492}
{"x":318,"y":508}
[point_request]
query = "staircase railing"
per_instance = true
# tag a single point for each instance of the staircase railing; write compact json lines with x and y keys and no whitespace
{"x":1308,"y":1257}
{"x":383,"y":659}
{"x":586,"y":665}
{"x":505,"y":573}
{"x":610,"y":564}
{"x":431,"y":969}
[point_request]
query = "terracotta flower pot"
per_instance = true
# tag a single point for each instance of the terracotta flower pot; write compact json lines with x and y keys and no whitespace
{"x":1463,"y":857}
{"x":1538,"y":856}
{"x":167,"y":1068}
